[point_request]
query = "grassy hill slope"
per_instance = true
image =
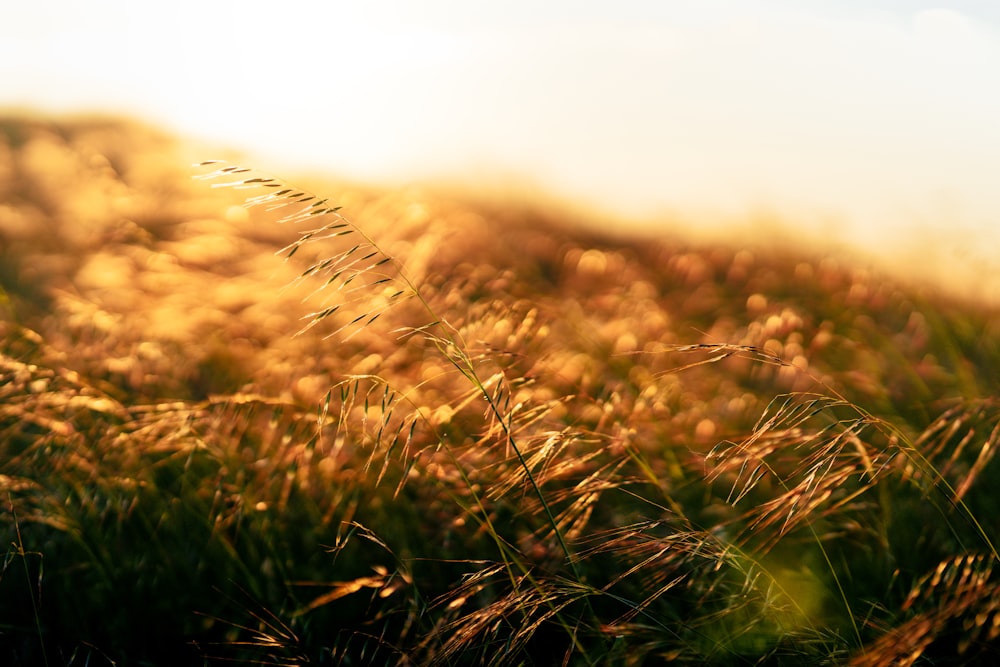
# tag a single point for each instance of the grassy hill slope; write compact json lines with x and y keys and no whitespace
{"x":551,"y":445}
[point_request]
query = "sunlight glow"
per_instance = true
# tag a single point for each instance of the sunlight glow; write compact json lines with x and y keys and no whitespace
{"x":855,"y":116}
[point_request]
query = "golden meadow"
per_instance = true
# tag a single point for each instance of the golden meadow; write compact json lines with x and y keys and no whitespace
{"x":406,"y":428}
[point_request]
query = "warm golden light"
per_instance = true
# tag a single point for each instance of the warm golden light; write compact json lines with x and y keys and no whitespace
{"x":848,"y":120}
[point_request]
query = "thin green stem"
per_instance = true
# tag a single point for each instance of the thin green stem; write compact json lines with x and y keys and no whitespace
{"x":27,"y":576}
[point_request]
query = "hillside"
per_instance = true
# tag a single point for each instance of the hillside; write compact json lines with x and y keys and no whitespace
{"x":552,"y":444}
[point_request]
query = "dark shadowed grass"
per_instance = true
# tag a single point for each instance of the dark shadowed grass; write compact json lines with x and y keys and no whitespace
{"x":492,"y":441}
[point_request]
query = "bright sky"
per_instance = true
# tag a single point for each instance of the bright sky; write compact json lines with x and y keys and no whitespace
{"x":854,"y":115}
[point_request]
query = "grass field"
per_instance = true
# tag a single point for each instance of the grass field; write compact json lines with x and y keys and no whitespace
{"x":437,"y":431}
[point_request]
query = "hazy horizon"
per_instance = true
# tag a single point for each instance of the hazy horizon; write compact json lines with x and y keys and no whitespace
{"x":871,"y":123}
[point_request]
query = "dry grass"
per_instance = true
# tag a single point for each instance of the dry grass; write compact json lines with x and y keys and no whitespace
{"x":455,"y":433}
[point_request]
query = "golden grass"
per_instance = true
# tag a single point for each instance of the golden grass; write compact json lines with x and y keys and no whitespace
{"x":460,"y":433}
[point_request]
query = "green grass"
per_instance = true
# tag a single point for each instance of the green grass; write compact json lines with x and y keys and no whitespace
{"x":459,"y":433}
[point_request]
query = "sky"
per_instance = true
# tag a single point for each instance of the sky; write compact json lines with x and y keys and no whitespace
{"x":875,"y":121}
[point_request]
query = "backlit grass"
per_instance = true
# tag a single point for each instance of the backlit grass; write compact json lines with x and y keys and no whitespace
{"x":399,"y":428}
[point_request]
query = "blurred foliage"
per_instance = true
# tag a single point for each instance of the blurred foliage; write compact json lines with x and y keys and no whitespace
{"x":751,"y":454}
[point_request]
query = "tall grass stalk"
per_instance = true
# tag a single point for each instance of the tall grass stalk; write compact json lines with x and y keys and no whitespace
{"x":344,"y":270}
{"x":346,"y":267}
{"x":33,"y":584}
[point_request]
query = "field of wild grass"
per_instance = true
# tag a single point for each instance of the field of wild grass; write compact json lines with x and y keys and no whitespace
{"x":420,"y":430}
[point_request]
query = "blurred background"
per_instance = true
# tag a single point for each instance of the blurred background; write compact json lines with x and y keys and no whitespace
{"x":870,"y":124}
